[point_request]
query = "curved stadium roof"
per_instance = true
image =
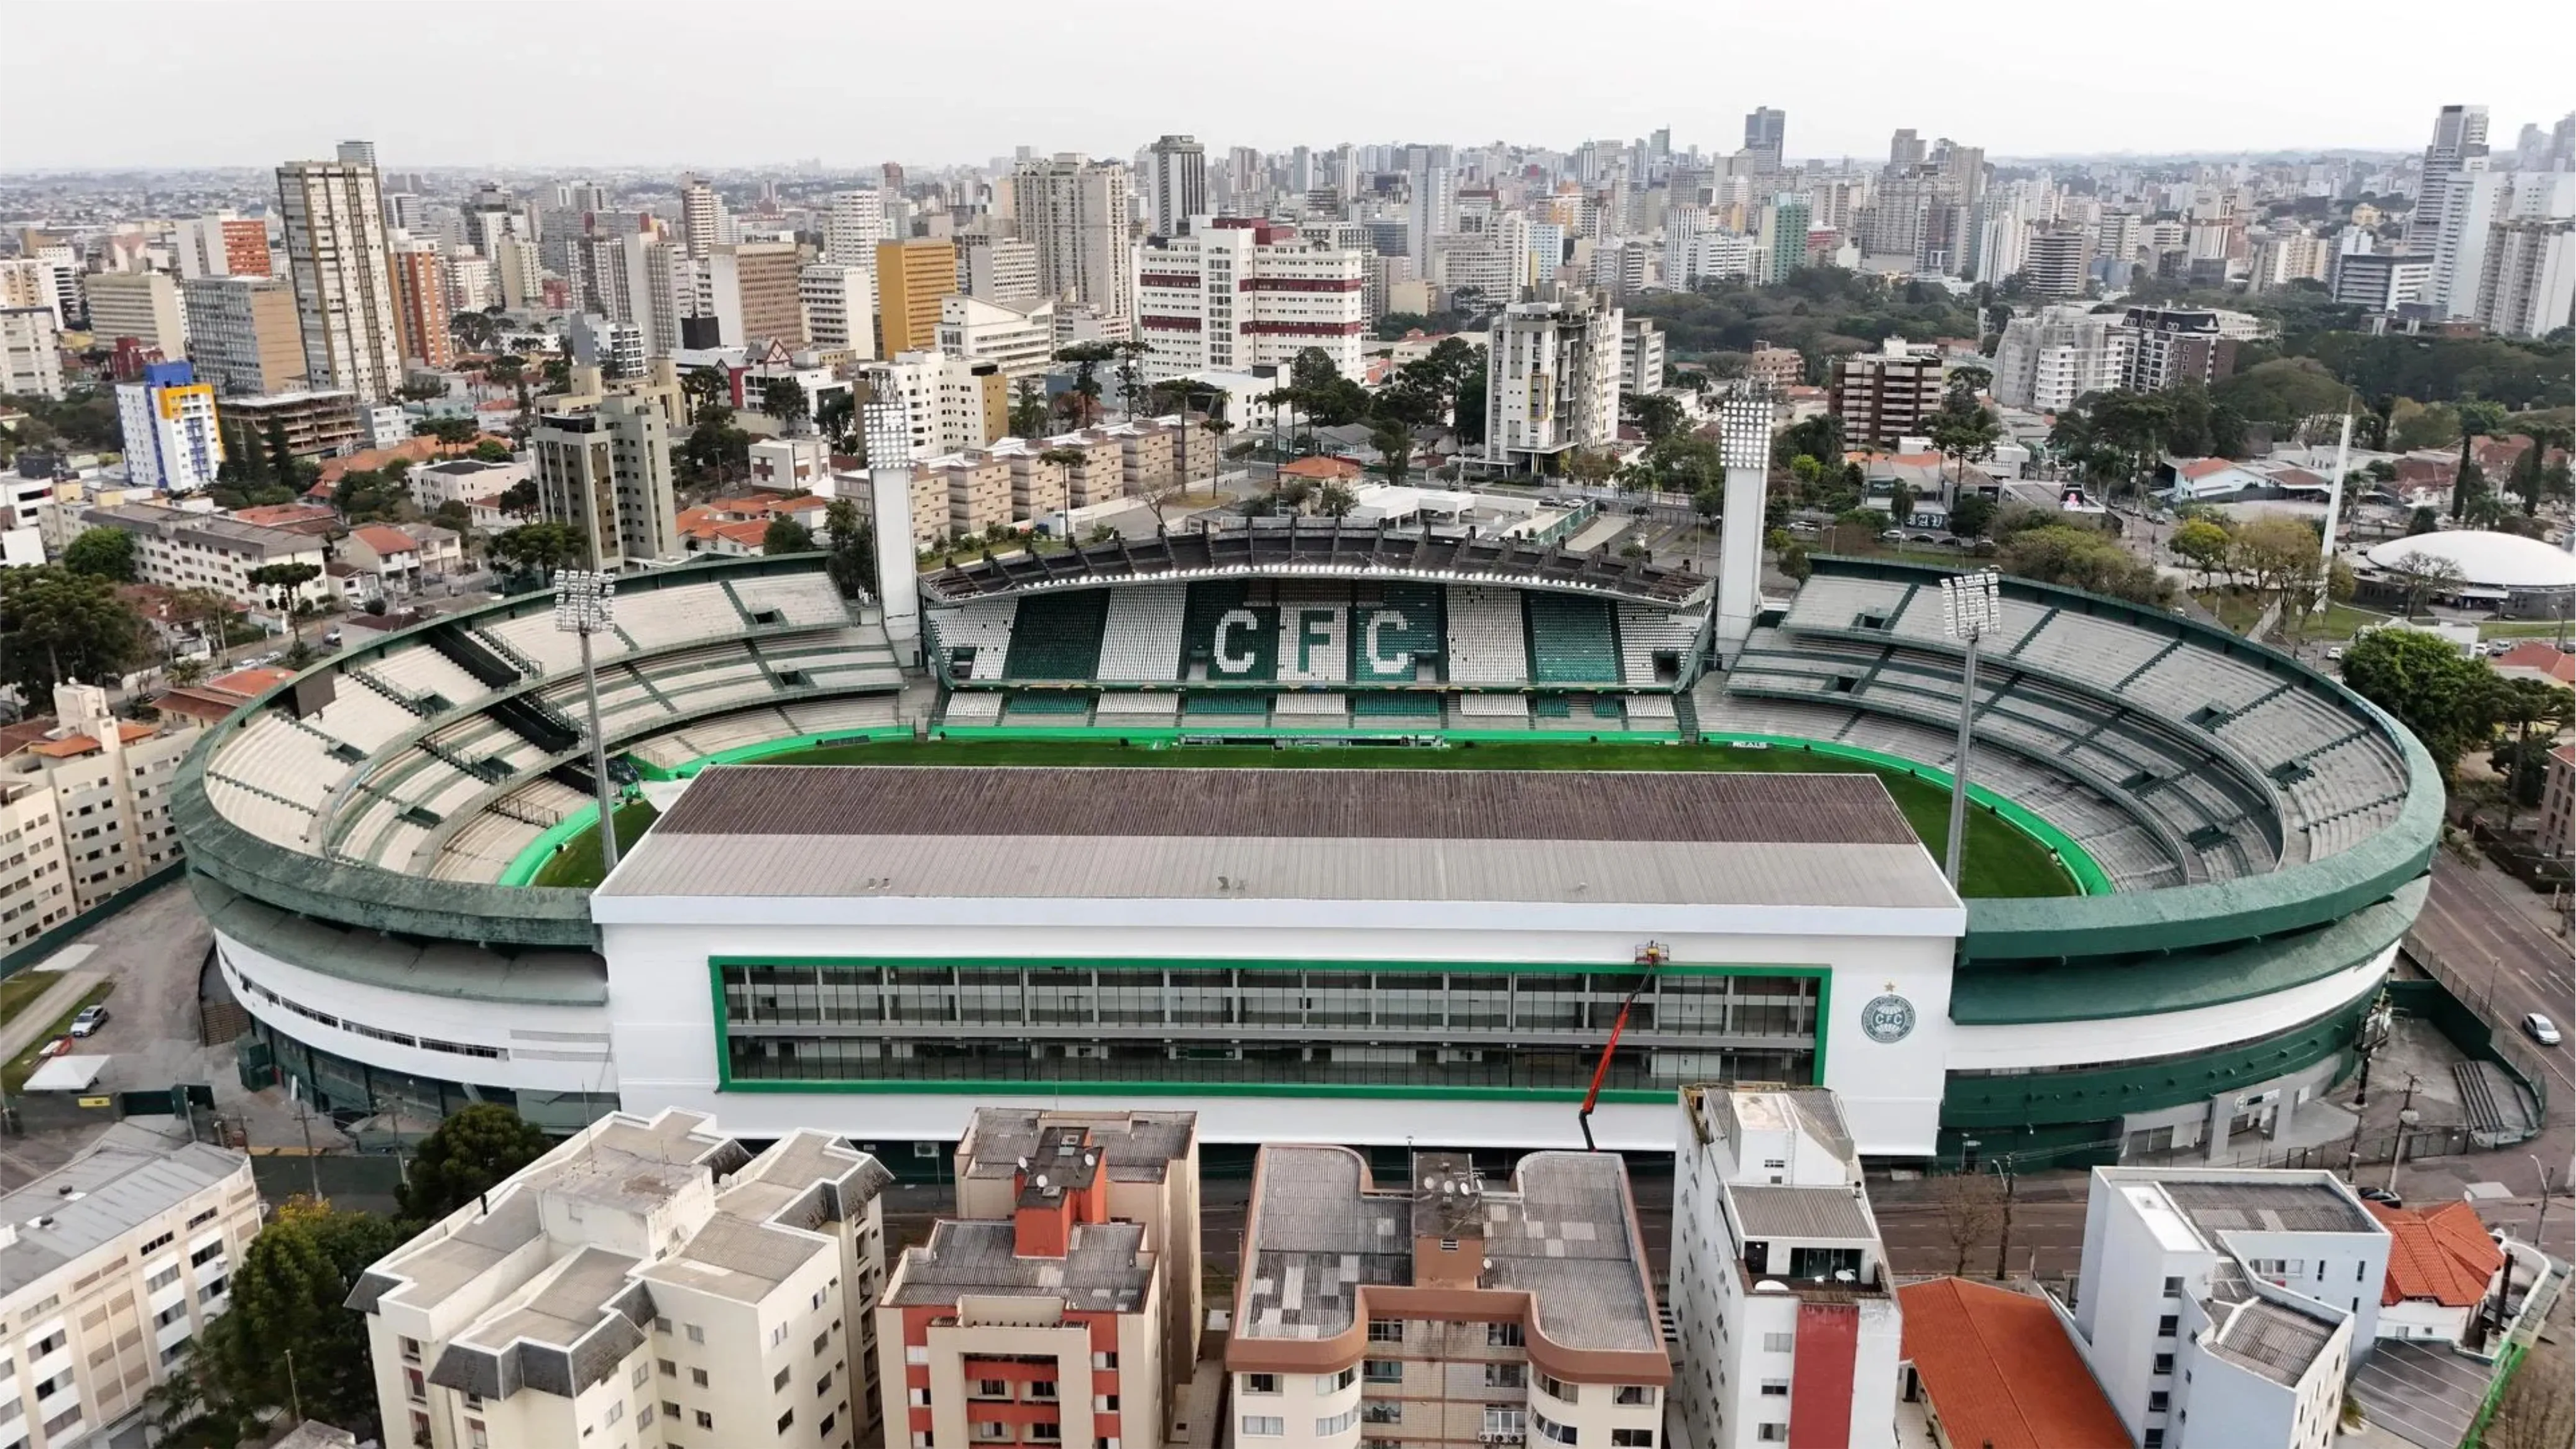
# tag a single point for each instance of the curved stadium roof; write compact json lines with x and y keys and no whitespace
{"x":2491,"y":560}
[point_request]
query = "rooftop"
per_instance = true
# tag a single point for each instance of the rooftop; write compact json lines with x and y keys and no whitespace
{"x":2268,"y":1338}
{"x":2217,"y":1205}
{"x":132,"y":1176}
{"x":1136,"y":1146}
{"x":2443,"y":1256}
{"x":1105,"y":1268}
{"x":1524,"y":837}
{"x":2000,"y":1371}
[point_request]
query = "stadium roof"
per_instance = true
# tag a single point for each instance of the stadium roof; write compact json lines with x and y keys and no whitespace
{"x":1321,"y":549}
{"x":2492,"y":560}
{"x":1533,"y":837}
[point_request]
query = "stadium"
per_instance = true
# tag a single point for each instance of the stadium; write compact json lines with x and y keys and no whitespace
{"x":2198,"y":857}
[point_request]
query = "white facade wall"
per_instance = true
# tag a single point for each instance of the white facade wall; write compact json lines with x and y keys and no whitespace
{"x":1222,"y":299}
{"x":840,"y":304}
{"x":31,"y":360}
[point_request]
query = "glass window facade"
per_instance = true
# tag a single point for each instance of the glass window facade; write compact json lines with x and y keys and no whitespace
{"x":1357,"y":1025}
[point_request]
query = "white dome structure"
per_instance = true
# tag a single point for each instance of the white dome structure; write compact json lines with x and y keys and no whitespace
{"x":2486,"y":560}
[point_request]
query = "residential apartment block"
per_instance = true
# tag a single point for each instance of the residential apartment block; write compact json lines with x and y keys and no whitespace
{"x":141,"y":305}
{"x":2048,"y":360}
{"x":1236,"y":293}
{"x":1019,"y":337}
{"x":35,"y":875}
{"x":242,"y":334}
{"x":180,"y":549}
{"x":1075,"y":212}
{"x":1886,"y":395}
{"x":1449,"y":1311}
{"x":606,"y":471}
{"x":221,"y":245}
{"x":336,"y":257}
{"x":31,"y":357}
{"x":646,"y":1284}
{"x":110,"y":780}
{"x":840,"y":300}
{"x":1789,"y":1332}
{"x":109,"y":1266}
{"x":315,"y":424}
{"x":1553,"y":380}
{"x":168,"y":421}
{"x":912,"y":277}
{"x":757,"y":296}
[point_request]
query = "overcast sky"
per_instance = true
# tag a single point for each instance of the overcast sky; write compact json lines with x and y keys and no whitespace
{"x":743,"y":82}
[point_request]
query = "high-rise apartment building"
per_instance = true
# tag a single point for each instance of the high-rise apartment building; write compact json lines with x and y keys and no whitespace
{"x":1780,"y":243}
{"x":912,"y":278}
{"x":222,"y":245}
{"x":606,"y":471}
{"x":172,"y":442}
{"x":110,"y":1265}
{"x":35,"y":881}
{"x":1641,"y":356}
{"x":1461,"y":1312}
{"x":2473,"y":200}
{"x":997,"y":269}
{"x":701,"y":218}
{"x":2173,"y":345}
{"x":1235,"y":293}
{"x":2046,"y":361}
{"x":142,"y":305}
{"x":854,"y":227}
{"x":2459,"y":138}
{"x":1552,"y":380}
{"x":31,"y":358}
{"x":1176,"y":185}
{"x":111,"y":781}
{"x":637,"y":286}
{"x":1779,"y":1276}
{"x":1021,"y":338}
{"x":338,"y":263}
{"x":1074,"y":211}
{"x":840,"y":301}
{"x":646,"y":1282}
{"x":2058,"y":261}
{"x":2526,"y":280}
{"x":1886,"y":395}
{"x":1432,"y":201}
{"x":420,"y":304}
{"x":1766,"y":134}
{"x":755,"y":289}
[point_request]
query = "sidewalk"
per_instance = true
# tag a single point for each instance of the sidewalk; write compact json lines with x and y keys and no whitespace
{"x":23,"y":1030}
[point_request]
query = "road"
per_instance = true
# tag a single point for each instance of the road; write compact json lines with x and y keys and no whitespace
{"x":2482,"y":924}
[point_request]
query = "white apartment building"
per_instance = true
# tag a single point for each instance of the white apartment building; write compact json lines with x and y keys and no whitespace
{"x":1552,"y":380}
{"x":242,"y":334}
{"x":1175,"y":184}
{"x":1021,"y":337}
{"x":1237,"y":293}
{"x":336,"y":257}
{"x":1779,"y":1278}
{"x":2048,"y":360}
{"x":647,"y":1283}
{"x":180,"y":549}
{"x":947,"y":403}
{"x":29,"y":282}
{"x":840,"y":300}
{"x":2526,"y":282}
{"x":1641,"y":356}
{"x":1445,"y":1310}
{"x":470,"y":281}
{"x":2222,"y":1309}
{"x":141,"y":305}
{"x":997,"y":269}
{"x":110,"y":782}
{"x":31,"y":359}
{"x":1075,"y":211}
{"x":109,"y":1266}
{"x":168,"y":422}
{"x":853,"y":227}
{"x":35,"y":875}
{"x":2472,"y":202}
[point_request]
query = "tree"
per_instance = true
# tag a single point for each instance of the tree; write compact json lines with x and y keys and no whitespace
{"x":2423,"y":576}
{"x":1966,"y":381}
{"x":492,"y":450}
{"x":209,"y":612}
{"x":1795,"y":563}
{"x":1965,"y":431}
{"x":364,"y":495}
{"x":850,"y":558}
{"x":2519,"y":705}
{"x":281,"y":458}
{"x":282,"y":582}
{"x":1819,"y":437}
{"x":2058,"y":553}
{"x":1336,"y":500}
{"x":1658,"y":415}
{"x":475,"y":1150}
{"x":1971,"y":514}
{"x":1900,"y":503}
{"x":2448,"y":699}
{"x":1028,"y":409}
{"x":706,"y":387}
{"x":1394,"y":451}
{"x":450,"y":432}
{"x":1970,"y":1206}
{"x":2537,"y":1409}
{"x":105,"y":553}
{"x":1468,"y":410}
{"x":2477,"y":420}
{"x":1589,"y":466}
{"x":540,"y":548}
{"x":56,"y":626}
{"x":784,"y":398}
{"x":519,"y":500}
{"x":1086,"y":358}
{"x":2282,"y":555}
{"x":786,"y":535}
{"x":2204,"y":545}
{"x":473,"y":330}
{"x":289,"y":1339}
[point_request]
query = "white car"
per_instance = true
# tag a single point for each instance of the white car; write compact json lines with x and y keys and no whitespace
{"x":2541,"y":1029}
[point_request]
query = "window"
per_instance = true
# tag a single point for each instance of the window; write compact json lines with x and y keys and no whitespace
{"x":779,"y":1382}
{"x":821,"y":1340}
{"x":616,"y":1413}
{"x":1506,"y":1375}
{"x":1557,"y":1388}
{"x":1261,"y":1383}
{"x":1502,"y":1423}
{"x":2169,"y":1325}
{"x":661,"y":1325}
{"x":1382,"y":1411}
{"x":1771,"y":1434}
{"x":1335,"y":1383}
{"x":2173,"y":1287}
{"x":670,"y":1410}
{"x":1042,"y":1389}
{"x":698,"y":1377}
{"x":1502,"y":1335}
{"x":1551,"y":1430}
{"x":1779,"y":1343}
{"x":1776,"y":1388}
{"x":2155,"y":1439}
{"x":1637,"y":1394}
{"x":643,"y":1371}
{"x":696,"y":1334}
{"x":1382,"y":1371}
{"x":2164,"y":1363}
{"x":785,"y":1420}
{"x":1264,"y":1426}
{"x":670,"y":1370}
{"x":1386,"y":1330}
{"x":1632,"y":1439}
{"x":166,"y":1239}
{"x":410,"y":1346}
{"x":992,"y":1389}
{"x":2159,"y":1401}
{"x":705,"y":1419}
{"x":1347,"y":1419}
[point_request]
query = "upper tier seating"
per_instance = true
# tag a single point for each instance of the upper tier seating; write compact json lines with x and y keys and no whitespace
{"x":975,"y":637}
{"x":1572,"y":640}
{"x":1486,"y":641}
{"x":1057,"y":636}
{"x":1141,"y":637}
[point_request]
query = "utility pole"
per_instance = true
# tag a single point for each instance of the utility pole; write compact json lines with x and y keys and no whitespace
{"x":2405,"y":1117}
{"x":312,"y":1165}
{"x":2003,"y":1245}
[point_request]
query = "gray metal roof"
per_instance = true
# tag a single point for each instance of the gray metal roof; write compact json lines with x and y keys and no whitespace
{"x":128,"y":1179}
{"x":1137,"y":1146}
{"x":2270,"y":1340}
{"x":1105,"y":1268}
{"x":2216,"y":1206}
{"x":1801,"y":1212}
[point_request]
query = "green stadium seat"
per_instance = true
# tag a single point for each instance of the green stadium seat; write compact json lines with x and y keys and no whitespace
{"x":1403,"y":628}
{"x":1405,"y":706}
{"x":1571,"y":640}
{"x":1552,"y":706}
{"x":1230,"y":705}
{"x":1057,"y":636}
{"x":1215,"y":633}
{"x":1049,"y":701}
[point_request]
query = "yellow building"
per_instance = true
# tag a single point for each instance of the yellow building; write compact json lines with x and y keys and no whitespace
{"x":912,"y":277}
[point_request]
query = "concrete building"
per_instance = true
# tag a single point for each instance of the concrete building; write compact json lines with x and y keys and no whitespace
{"x":1075,"y":211}
{"x":854,"y":227}
{"x":1780,"y":240}
{"x":337,"y":259}
{"x":1886,"y":395}
{"x":2173,"y":345}
{"x":110,"y":783}
{"x":2529,"y":286}
{"x":1789,"y":1333}
{"x":110,"y":1266}
{"x":181,"y":549}
{"x":606,"y":470}
{"x":221,"y":245}
{"x":756,"y":291}
{"x":35,"y":879}
{"x":1021,"y":338}
{"x":2558,"y":802}
{"x":840,"y":301}
{"x":314,"y":424}
{"x":1445,"y":1311}
{"x":242,"y":334}
{"x":1553,"y":380}
{"x":2046,"y":361}
{"x":172,"y":442}
{"x":421,"y":312}
{"x":950,"y":404}
{"x":997,"y":269}
{"x":2058,"y":261}
{"x":912,"y":278}
{"x":2459,"y":143}
{"x":2221,"y":1309}
{"x":31,"y":358}
{"x":1235,"y":293}
{"x":1641,"y":356}
{"x":141,"y":305}
{"x":1175,"y":184}
{"x":648,"y":1280}
{"x":2382,"y":281}
{"x":29,"y":282}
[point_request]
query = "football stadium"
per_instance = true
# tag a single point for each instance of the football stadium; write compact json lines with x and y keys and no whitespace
{"x":1280,"y":824}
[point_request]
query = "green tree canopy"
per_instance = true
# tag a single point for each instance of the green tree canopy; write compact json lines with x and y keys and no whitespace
{"x":2082,"y":558}
{"x":786,"y":535}
{"x":2203,"y":544}
{"x":492,"y":450}
{"x":851,"y":555}
{"x":540,"y":547}
{"x":472,"y":1152}
{"x":105,"y":553}
{"x":2447,"y":698}
{"x":57,"y":625}
{"x":289,"y":1338}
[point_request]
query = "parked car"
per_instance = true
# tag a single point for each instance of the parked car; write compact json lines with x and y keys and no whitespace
{"x":2540,"y":1029}
{"x":56,"y":1047}
{"x":2334,"y":652}
{"x":91,"y":1018}
{"x":2381,"y":1196}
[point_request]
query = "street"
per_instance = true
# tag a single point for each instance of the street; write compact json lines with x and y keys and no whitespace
{"x":2484,"y":927}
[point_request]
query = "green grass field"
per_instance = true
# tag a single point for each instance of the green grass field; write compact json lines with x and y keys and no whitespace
{"x":2002,"y":861}
{"x":14,"y":1075}
{"x":23,"y":988}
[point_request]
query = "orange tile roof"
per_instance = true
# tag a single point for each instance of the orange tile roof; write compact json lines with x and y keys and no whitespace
{"x":73,"y":746}
{"x":2000,"y":1371}
{"x":2206,"y":467}
{"x":278,"y":515}
{"x":384,"y":539}
{"x":1321,"y":469}
{"x":248,"y":682}
{"x":751,"y":531}
{"x":2444,"y":1255}
{"x":2540,"y":655}
{"x":418,"y":450}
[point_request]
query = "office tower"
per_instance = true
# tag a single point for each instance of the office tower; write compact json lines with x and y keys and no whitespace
{"x":1780,"y":242}
{"x":242,"y":335}
{"x":420,"y":303}
{"x":2459,"y":137}
{"x":141,"y":305}
{"x":222,"y":245}
{"x":168,"y":420}
{"x":754,"y":286}
{"x":2057,"y":261}
{"x":1433,"y":207}
{"x":1176,"y":186}
{"x":701,"y":218}
{"x":1905,"y":148}
{"x":853,"y":228}
{"x":606,"y":471}
{"x":1554,"y":380}
{"x":912,"y":277}
{"x":1074,"y":211}
{"x":1766,"y":133}
{"x":2472,"y":199}
{"x":997,"y":269}
{"x":840,"y":306}
{"x":358,"y":153}
{"x":336,"y":259}
{"x":1234,"y":294}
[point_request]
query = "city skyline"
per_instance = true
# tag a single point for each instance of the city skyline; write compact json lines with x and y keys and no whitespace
{"x":297,"y":85}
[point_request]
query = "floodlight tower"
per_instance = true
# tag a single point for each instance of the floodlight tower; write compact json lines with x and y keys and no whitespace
{"x":584,"y":600}
{"x":1971,"y":604}
{"x":1744,"y":449}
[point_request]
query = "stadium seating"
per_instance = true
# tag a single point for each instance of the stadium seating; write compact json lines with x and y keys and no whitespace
{"x":1405,"y":620}
{"x":361,"y":718}
{"x":1216,"y":649}
{"x":660,"y":618}
{"x":1485,"y":637}
{"x":1130,"y":707}
{"x":975,"y":638}
{"x":795,"y":600}
{"x":416,"y":672}
{"x":1057,"y":636}
{"x":533,"y":637}
{"x":1645,"y":633}
{"x":1406,"y":707}
{"x":825,"y":716}
{"x":1572,"y":640}
{"x":1488,"y":711}
{"x":977,"y":707}
{"x":1140,"y":638}
{"x":1306,"y":710}
{"x":1234,"y":706}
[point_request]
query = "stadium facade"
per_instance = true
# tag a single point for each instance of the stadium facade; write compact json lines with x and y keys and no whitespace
{"x":2250,"y":841}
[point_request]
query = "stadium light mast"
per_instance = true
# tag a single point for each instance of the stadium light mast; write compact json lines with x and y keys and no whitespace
{"x":2334,"y":511}
{"x":1971,"y":604}
{"x":583,"y":606}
